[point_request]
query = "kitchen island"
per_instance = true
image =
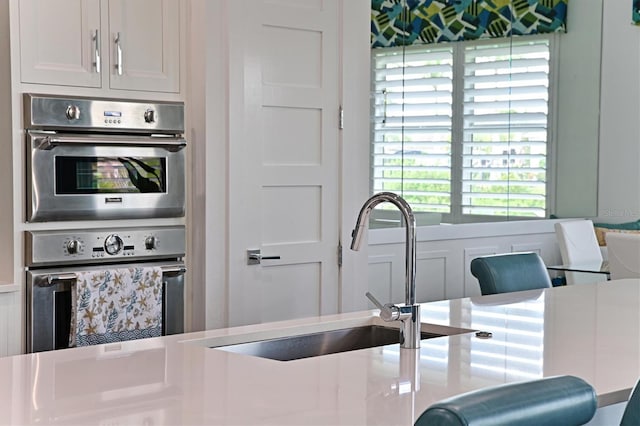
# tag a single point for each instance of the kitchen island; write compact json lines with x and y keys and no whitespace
{"x":591,"y":331}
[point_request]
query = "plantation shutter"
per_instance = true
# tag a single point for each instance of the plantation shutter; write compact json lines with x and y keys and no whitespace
{"x":462,"y":129}
{"x":412,"y":125}
{"x":506,"y":95}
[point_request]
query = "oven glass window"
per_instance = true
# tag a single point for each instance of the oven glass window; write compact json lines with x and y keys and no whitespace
{"x":97,"y":175}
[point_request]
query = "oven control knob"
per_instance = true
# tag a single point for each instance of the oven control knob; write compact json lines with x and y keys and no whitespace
{"x":150,"y":116}
{"x":150,"y":242}
{"x":113,"y":244}
{"x":73,"y":246}
{"x":73,"y":112}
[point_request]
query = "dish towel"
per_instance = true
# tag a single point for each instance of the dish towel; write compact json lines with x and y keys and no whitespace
{"x":114,"y":305}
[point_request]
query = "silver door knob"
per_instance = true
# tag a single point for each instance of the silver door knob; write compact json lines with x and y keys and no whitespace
{"x":254,"y":257}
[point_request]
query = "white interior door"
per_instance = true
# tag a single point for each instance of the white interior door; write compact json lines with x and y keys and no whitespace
{"x":283,"y":165}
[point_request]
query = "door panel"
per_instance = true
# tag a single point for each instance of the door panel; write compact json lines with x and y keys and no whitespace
{"x":283,"y":150}
{"x":292,"y":282}
{"x":278,"y":204}
{"x":299,"y":145}
{"x":278,"y":43}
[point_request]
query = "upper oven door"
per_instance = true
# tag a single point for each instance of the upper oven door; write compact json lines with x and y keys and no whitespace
{"x":80,"y":177}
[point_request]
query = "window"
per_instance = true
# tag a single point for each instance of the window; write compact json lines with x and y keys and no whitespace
{"x":462,"y":129}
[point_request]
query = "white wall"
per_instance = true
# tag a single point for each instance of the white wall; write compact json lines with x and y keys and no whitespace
{"x":6,"y":179}
{"x":619,"y":167}
{"x":575,"y":143}
{"x":354,"y":145}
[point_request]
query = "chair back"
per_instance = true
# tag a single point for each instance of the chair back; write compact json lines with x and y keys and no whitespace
{"x":579,"y":245}
{"x":504,"y":273}
{"x":558,"y":400}
{"x":624,"y":255}
{"x":631,"y":415}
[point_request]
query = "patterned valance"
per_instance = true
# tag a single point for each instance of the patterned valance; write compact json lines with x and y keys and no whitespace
{"x":407,"y":22}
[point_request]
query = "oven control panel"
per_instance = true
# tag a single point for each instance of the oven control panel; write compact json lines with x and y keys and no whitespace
{"x":111,"y":115}
{"x":102,"y":245}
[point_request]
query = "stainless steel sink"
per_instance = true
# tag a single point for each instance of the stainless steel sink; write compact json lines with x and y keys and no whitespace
{"x":323,"y":343}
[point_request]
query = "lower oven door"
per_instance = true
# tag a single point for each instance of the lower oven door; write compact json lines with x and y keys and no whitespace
{"x":49,"y":302}
{"x":73,"y":177}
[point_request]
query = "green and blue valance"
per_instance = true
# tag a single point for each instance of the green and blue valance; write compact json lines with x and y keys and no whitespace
{"x":636,"y":12}
{"x":407,"y":22}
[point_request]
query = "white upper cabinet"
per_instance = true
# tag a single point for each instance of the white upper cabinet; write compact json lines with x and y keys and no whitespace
{"x":58,"y":43}
{"x":145,"y":45}
{"x":109,"y":44}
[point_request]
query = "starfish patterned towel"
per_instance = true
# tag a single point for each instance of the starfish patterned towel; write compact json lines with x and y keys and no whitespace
{"x":113,"y":305}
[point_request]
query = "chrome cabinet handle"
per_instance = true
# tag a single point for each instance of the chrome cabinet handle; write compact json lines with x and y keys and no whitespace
{"x":96,"y":51}
{"x":118,"y":43}
{"x":254,"y":257}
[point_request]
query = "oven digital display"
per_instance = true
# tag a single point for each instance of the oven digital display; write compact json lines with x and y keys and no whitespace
{"x":98,"y":175}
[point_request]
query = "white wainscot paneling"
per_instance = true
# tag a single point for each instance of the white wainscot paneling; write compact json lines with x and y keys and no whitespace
{"x":535,"y":247}
{"x":10,"y":324}
{"x":387,"y":274}
{"x":431,"y":274}
{"x":444,"y":255}
{"x":380,"y":276}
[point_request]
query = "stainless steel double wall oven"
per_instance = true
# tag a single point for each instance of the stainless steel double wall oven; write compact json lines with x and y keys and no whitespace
{"x":100,"y":159}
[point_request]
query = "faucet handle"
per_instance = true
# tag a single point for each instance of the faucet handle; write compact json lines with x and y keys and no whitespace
{"x":388,"y":312}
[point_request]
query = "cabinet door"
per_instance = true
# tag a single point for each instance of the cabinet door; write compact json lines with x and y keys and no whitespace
{"x":144,"y":45}
{"x":58,"y":42}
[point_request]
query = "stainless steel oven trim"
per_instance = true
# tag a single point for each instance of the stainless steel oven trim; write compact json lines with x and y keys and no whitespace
{"x":131,"y":116}
{"x":50,"y":248}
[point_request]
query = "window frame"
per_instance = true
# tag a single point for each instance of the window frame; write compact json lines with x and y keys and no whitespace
{"x":458,"y":57}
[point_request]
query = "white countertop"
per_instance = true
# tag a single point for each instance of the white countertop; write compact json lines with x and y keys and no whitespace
{"x":591,"y":331}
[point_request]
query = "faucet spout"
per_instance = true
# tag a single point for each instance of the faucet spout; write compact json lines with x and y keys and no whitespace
{"x":410,"y":331}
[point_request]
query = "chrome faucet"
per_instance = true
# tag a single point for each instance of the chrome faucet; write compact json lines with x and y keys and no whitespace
{"x":409,"y":314}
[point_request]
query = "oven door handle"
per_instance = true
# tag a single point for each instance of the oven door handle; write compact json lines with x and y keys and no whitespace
{"x":174,"y":270}
{"x":169,"y":143}
{"x":53,"y":278}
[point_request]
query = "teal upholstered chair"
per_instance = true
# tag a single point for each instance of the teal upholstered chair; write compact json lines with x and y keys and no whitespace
{"x":631,"y":415}
{"x":559,"y":400}
{"x":504,"y":273}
